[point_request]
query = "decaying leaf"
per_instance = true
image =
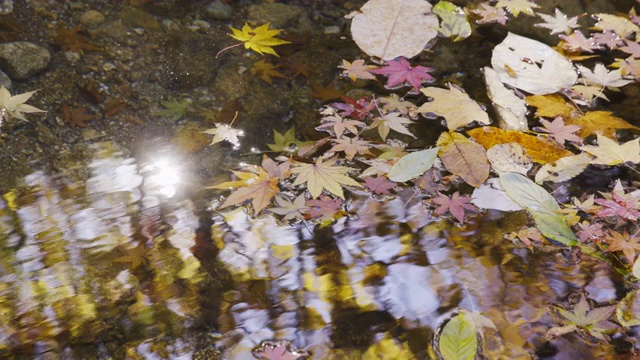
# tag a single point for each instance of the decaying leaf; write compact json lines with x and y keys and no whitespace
{"x":464,"y":158}
{"x":510,"y":157}
{"x":539,"y":150}
{"x":454,"y":105}
{"x":324,"y":175}
{"x":564,"y":169}
{"x":388,"y":29}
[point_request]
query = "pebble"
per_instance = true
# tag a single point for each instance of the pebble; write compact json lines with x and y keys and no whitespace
{"x":22,"y":59}
{"x":218,"y":10}
{"x":330,"y":30}
{"x":91,"y":18}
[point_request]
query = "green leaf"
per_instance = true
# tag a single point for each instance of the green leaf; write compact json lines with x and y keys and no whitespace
{"x":458,"y":340}
{"x":413,"y":165}
{"x":453,"y":22}
{"x":540,"y":204}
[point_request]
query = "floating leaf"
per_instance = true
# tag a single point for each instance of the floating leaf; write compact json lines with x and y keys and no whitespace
{"x":539,"y":150}
{"x":509,"y":158}
{"x":260,"y":39}
{"x":454,"y":22}
{"x":598,"y":122}
{"x":324,"y":175}
{"x":564,"y":169}
{"x":490,"y":195}
{"x":609,"y":152}
{"x":550,"y":106}
{"x":464,"y":158}
{"x":412,"y":165}
{"x":628,"y":310}
{"x":392,"y":28}
{"x":454,"y":105}
{"x":458,"y":339}
{"x":540,"y":204}
{"x":532,"y":66}
{"x":511,"y":109}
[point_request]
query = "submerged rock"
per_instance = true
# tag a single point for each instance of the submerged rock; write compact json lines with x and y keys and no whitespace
{"x":22,"y":59}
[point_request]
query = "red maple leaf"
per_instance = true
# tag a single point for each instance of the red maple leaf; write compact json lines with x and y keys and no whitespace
{"x":356,"y":109}
{"x":454,"y":204}
{"x":399,"y":72}
{"x":559,"y":131}
{"x":619,"y":203}
{"x":325,"y":207}
{"x":379,"y":185}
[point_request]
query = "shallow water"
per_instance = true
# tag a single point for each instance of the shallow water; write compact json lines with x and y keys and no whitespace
{"x":110,"y":247}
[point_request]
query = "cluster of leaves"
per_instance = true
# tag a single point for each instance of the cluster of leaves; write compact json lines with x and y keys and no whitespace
{"x":508,"y":167}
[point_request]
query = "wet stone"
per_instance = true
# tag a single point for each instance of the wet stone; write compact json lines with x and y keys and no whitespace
{"x":218,"y":10}
{"x":281,"y":16}
{"x":91,"y":18}
{"x":22,"y":59}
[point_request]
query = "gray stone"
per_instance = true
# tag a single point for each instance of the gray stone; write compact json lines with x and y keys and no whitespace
{"x":91,"y":18}
{"x":22,"y":59}
{"x":218,"y":10}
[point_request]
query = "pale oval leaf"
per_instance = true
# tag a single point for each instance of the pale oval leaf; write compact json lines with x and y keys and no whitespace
{"x":511,"y":109}
{"x":464,"y":158}
{"x":412,"y":165}
{"x":392,"y":28}
{"x":564,"y":169}
{"x":490,"y":195}
{"x":458,"y":339}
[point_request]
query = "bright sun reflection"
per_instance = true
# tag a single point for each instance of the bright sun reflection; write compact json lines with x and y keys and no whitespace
{"x":164,"y":176}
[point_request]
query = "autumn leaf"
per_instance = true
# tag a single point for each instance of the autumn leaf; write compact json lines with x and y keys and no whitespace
{"x":260,"y":39}
{"x":325,"y":207}
{"x":350,"y":146}
{"x":560,"y":23}
{"x":357,"y":70}
{"x":515,"y":7}
{"x":266,"y":70}
{"x":595,"y":321}
{"x":609,"y":152}
{"x":628,"y":244}
{"x":510,"y":157}
{"x":455,"y":204}
{"x":287,"y":141}
{"x":14,"y":106}
{"x":278,"y":350}
{"x":564,"y":169}
{"x":550,"y":106}
{"x":399,"y":72}
{"x":290,"y":209}
{"x":594,"y":122}
{"x":392,"y":121}
{"x":224,"y":132}
{"x":379,"y":185}
{"x":324,"y":175}
{"x":619,"y":204}
{"x":339,"y":125}
{"x":540,"y":151}
{"x":76,"y":117}
{"x":558,"y":131}
{"x":259,"y":185}
{"x":464,"y":158}
{"x":454,"y":105}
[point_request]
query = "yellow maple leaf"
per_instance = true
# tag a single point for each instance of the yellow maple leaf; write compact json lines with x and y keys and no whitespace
{"x":539,"y":150}
{"x":609,"y":152}
{"x":324,"y":175}
{"x":550,"y":105}
{"x":260,"y":39}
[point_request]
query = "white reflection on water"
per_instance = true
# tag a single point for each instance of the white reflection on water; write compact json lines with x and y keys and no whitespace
{"x":164,"y":176}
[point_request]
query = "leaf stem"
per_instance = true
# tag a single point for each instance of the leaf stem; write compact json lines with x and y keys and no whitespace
{"x":228,"y":48}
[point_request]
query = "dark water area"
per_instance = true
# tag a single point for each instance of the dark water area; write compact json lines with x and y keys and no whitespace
{"x":112,"y":245}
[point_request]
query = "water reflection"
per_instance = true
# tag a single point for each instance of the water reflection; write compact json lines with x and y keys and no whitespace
{"x":108,"y":267}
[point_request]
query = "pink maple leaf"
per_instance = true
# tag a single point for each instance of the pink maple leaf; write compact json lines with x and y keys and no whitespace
{"x":455,"y":204}
{"x":590,"y":231}
{"x":356,"y":109}
{"x":632,"y":48}
{"x":608,"y":38}
{"x":278,"y":350}
{"x":399,"y":72}
{"x":559,"y":131}
{"x":325,"y":207}
{"x":379,"y":185}
{"x":619,"y":203}
{"x":577,"y":41}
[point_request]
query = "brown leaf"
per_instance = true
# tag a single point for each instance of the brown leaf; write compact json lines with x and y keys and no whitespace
{"x":464,"y":158}
{"x":76,"y":117}
{"x":113,"y":107}
{"x":90,"y":93}
{"x":326,"y":93}
{"x":74,"y":40}
{"x":540,"y":151}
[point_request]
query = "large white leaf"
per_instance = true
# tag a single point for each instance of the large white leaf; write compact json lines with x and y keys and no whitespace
{"x":511,"y":109}
{"x":412,"y":165}
{"x":532,"y":66}
{"x":392,"y":28}
{"x":490,"y":195}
